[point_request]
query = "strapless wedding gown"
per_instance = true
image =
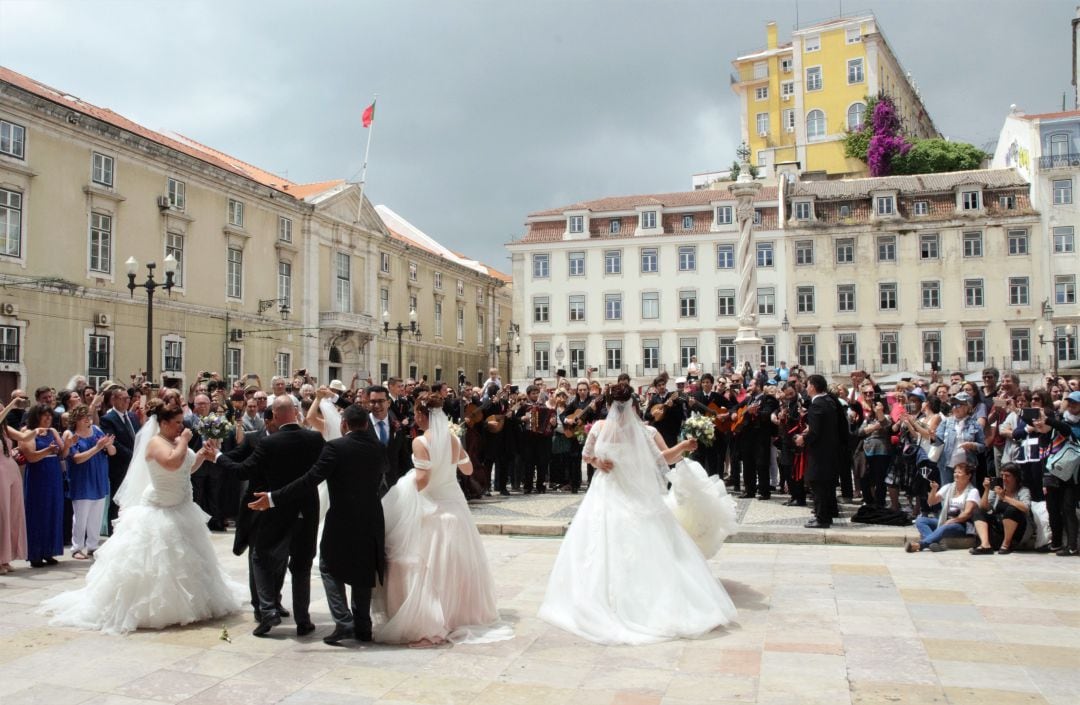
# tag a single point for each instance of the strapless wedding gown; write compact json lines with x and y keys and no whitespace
{"x":438,"y":582}
{"x":158,"y":569}
{"x":628,"y":572}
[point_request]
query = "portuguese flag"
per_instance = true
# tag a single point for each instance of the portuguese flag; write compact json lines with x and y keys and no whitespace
{"x":369,"y":115}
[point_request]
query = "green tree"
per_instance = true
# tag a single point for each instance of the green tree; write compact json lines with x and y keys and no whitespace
{"x":937,"y":155}
{"x":736,"y":170}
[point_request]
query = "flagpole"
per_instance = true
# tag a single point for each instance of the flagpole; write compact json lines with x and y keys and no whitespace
{"x":363,"y":169}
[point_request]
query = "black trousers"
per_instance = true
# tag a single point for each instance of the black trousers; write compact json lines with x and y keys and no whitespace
{"x":1061,"y":507}
{"x":847,"y":483}
{"x":116,"y":478}
{"x":797,"y":488}
{"x":535,"y":458}
{"x":823,"y":485}
{"x":354,"y":614}
{"x":755,"y":465}
{"x":294,"y":553}
{"x":206,"y":491}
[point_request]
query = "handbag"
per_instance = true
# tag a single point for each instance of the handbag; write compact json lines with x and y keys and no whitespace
{"x":932,"y":447}
{"x":1064,"y":459}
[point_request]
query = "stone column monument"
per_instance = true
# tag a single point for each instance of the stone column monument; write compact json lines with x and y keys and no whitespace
{"x":747,"y":341}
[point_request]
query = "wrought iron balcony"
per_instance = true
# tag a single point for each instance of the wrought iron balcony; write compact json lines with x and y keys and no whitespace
{"x":1060,"y":161}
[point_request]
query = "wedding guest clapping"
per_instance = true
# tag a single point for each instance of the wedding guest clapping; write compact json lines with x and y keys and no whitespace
{"x":88,"y":474}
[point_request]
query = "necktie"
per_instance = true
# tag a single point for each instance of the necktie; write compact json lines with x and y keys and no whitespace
{"x":127,"y":422}
{"x":382,"y":432}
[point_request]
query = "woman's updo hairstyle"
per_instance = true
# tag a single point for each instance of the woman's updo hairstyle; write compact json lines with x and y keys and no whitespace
{"x":426,"y":402}
{"x":622,"y":392}
{"x":163,"y":411}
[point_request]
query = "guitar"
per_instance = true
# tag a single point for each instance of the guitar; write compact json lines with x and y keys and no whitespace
{"x":720,"y":415}
{"x":574,"y":417}
{"x":744,"y":415}
{"x":472,"y":415}
{"x":659,"y":410}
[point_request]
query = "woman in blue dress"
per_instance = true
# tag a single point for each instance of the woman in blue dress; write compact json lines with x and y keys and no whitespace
{"x":43,"y":488}
{"x":88,"y":480}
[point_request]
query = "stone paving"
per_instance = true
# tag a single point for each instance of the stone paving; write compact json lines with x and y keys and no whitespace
{"x":823,"y":624}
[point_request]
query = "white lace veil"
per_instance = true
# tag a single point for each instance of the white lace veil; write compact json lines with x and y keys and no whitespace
{"x":642,"y":467}
{"x":137,"y":478}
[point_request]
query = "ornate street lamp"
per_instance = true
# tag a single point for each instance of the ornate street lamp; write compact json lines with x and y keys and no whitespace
{"x":150,"y":285}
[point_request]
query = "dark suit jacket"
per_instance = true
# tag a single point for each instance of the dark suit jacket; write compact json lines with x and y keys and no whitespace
{"x":245,"y":517}
{"x":112,"y":423}
{"x":352,"y":541}
{"x":822,"y":439}
{"x":398,"y":453}
{"x":277,"y":460}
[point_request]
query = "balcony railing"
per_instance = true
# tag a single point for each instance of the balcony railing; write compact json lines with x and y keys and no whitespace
{"x":1060,"y":161}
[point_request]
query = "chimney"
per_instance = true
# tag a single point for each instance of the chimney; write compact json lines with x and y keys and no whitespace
{"x":770,"y":35}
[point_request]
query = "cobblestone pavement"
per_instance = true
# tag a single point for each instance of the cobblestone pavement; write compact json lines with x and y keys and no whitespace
{"x":816,"y":624}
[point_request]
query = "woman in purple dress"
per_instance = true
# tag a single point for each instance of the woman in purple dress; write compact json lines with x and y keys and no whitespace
{"x":43,"y":488}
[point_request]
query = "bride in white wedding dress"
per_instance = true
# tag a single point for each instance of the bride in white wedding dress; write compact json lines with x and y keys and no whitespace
{"x":159,"y":567}
{"x":627,"y":571}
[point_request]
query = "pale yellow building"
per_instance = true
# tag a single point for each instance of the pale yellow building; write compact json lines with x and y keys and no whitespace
{"x":272,"y":276}
{"x":797,"y":100}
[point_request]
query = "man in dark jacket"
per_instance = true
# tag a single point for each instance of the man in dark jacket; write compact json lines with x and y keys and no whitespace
{"x":352,"y":550}
{"x":822,"y":443}
{"x":285,"y":538}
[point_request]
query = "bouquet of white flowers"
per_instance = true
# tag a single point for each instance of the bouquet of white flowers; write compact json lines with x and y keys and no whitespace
{"x":700,"y":428}
{"x":214,"y":427}
{"x":458,"y":429}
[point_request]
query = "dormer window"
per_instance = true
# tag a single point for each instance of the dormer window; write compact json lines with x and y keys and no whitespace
{"x":885,"y":206}
{"x":576,"y":223}
{"x":970,"y":200}
{"x":723,"y":215}
{"x":803,"y":210}
{"x":845,"y":211}
{"x":922,"y":208}
{"x":616,"y":225}
{"x":688,"y":222}
{"x":648,"y":220}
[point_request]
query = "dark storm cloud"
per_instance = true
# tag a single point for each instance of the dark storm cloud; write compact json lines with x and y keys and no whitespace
{"x":489,"y":110}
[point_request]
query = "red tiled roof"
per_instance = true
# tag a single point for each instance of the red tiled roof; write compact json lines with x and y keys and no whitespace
{"x":178,"y":143}
{"x":700,"y":197}
{"x":1051,"y":116}
{"x":306,"y":190}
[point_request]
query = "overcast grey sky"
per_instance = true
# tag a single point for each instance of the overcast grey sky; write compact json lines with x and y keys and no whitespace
{"x":491,"y":109}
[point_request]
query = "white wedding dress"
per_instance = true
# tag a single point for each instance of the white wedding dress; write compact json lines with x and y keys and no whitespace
{"x":628,"y":572}
{"x":159,"y":568}
{"x":438,"y":584}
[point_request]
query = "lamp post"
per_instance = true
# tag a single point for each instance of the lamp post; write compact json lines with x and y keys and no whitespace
{"x":401,"y":329}
{"x":513,"y":345}
{"x":150,"y":285}
{"x":1053,"y":341}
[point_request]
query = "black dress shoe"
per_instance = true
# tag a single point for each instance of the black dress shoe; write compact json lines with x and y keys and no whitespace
{"x":266,"y":625}
{"x":363,"y":636}
{"x":51,"y":561}
{"x":37,"y":564}
{"x":504,"y":493}
{"x":304,"y":628}
{"x":215,"y":525}
{"x":335,"y":637}
{"x":766,"y":496}
{"x":790,"y":503}
{"x":746,"y":495}
{"x":815,"y":524}
{"x":282,"y":612}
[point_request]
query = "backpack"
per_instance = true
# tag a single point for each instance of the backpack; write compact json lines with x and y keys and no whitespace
{"x":877,"y":515}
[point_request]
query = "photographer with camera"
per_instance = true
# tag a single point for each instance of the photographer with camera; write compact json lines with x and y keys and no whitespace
{"x":1001,"y":517}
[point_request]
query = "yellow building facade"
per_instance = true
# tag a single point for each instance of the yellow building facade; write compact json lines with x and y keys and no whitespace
{"x":799,"y":99}
{"x":273,"y":276}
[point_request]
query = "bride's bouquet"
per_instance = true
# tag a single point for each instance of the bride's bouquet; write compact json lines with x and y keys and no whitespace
{"x":214,"y":427}
{"x":457,"y":429}
{"x":700,"y":428}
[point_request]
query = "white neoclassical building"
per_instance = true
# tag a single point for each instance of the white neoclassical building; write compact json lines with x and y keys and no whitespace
{"x":895,"y":275}
{"x":639,"y":284}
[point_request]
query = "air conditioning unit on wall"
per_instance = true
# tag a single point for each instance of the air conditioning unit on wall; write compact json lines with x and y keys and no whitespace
{"x":102,"y":319}
{"x":163,"y":202}
{"x":8,"y":309}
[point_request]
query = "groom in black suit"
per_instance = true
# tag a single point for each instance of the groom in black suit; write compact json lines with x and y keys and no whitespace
{"x":285,"y":538}
{"x":392,"y":436}
{"x":822,"y":441}
{"x":118,"y":422}
{"x":352,"y":550}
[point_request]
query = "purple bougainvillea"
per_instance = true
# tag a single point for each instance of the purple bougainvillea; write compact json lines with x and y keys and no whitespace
{"x":887,"y":141}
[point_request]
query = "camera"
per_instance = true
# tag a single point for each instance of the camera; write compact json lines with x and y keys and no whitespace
{"x":996,"y":482}
{"x":513,"y":389}
{"x":1030,"y":415}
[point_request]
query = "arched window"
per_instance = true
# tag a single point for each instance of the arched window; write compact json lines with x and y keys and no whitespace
{"x":856,"y":116}
{"x":1059,"y":144}
{"x":815,"y":124}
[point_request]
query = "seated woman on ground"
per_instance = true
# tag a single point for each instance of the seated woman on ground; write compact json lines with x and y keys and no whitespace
{"x":958,"y":501}
{"x":1001,"y":518}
